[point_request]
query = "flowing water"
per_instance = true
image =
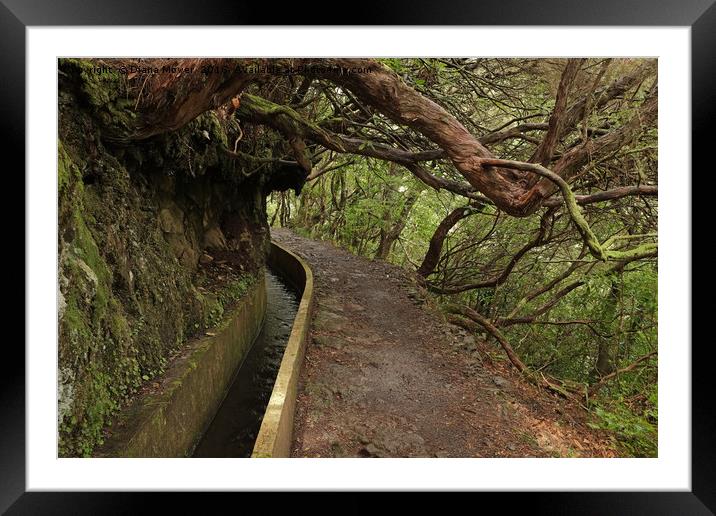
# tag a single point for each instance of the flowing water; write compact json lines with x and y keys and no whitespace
{"x":233,"y":430}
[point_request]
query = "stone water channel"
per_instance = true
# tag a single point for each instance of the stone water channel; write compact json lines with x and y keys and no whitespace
{"x":234,"y":428}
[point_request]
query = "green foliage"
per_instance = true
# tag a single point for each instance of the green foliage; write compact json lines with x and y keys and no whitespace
{"x":608,"y":312}
{"x":635,"y":434}
{"x":605,"y":320}
{"x":366,"y":201}
{"x":219,"y":303}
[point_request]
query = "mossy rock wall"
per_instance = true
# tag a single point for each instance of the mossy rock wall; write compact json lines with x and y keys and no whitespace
{"x":170,"y":421}
{"x":134,"y":221}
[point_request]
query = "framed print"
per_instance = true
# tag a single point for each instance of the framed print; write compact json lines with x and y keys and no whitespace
{"x":434,"y":238}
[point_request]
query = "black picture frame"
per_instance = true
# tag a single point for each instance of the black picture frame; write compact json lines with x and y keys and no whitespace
{"x":700,"y":15}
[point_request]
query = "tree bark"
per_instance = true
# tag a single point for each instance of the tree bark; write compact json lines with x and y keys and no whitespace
{"x":545,"y":150}
{"x":432,"y":256}
{"x":170,"y":102}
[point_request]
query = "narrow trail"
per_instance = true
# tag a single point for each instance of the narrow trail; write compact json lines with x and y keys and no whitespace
{"x":385,"y":376}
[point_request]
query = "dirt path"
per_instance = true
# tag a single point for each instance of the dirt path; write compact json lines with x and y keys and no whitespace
{"x":385,"y":376}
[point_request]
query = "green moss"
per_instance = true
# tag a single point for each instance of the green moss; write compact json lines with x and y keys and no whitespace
{"x":238,"y":288}
{"x":194,"y":149}
{"x":88,"y":329}
{"x":94,"y":330}
{"x":67,"y":172}
{"x":77,"y":329}
{"x":210,"y":123}
{"x":218,"y":304}
{"x":252,"y":105}
{"x":128,"y":303}
{"x":105,"y":91}
{"x":116,"y":334}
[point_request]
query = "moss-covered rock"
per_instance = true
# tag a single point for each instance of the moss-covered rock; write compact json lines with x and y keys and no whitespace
{"x":105,"y":94}
{"x":133,"y":221}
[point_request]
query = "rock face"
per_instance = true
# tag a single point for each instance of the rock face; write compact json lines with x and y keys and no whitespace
{"x":134,"y":222}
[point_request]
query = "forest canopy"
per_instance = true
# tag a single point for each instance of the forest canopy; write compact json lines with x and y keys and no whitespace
{"x":557,"y":265}
{"x":522,"y":193}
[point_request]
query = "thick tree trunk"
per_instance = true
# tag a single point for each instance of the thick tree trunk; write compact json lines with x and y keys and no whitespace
{"x":169,"y":101}
{"x":606,"y":350}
